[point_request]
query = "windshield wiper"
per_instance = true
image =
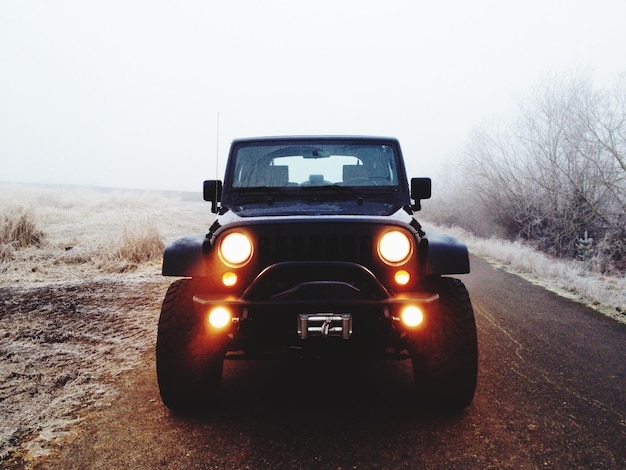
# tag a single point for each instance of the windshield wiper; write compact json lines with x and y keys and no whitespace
{"x":269,"y":194}
{"x":334,"y":187}
{"x":347,"y":190}
{"x":266,"y":194}
{"x":271,"y":190}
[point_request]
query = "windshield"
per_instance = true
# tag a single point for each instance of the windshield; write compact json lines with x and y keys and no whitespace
{"x":314,"y":164}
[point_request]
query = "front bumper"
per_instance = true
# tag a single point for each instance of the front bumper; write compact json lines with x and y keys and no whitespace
{"x":316,"y":308}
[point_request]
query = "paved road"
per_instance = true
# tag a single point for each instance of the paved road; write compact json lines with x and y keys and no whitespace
{"x":551,"y":394}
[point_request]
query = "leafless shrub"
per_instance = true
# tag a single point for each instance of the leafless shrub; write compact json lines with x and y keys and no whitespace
{"x":610,"y":253}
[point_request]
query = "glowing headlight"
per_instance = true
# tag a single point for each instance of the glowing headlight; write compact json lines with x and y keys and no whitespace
{"x":235,"y":249}
{"x":394,"y":247}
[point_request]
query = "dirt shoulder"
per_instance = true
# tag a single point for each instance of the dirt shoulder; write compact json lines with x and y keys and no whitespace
{"x":61,"y":348}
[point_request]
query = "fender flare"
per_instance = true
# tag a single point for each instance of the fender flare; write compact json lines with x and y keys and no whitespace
{"x":444,"y":254}
{"x":185,"y":257}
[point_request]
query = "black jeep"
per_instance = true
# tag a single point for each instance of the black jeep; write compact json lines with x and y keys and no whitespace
{"x":315,"y":252}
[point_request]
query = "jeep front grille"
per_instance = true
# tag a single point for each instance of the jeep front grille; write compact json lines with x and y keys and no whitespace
{"x":315,"y":247}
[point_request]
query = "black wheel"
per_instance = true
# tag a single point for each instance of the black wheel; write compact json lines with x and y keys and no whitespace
{"x":189,"y":361}
{"x":445,"y":354}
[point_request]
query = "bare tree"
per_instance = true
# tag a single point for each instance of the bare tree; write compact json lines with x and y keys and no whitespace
{"x":604,"y":118}
{"x":559,"y":170}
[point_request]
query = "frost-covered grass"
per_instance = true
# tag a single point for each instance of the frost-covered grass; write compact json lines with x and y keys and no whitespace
{"x":572,"y":279}
{"x":57,"y":234}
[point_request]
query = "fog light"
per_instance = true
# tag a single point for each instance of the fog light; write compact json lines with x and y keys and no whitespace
{"x":402,"y":277}
{"x":412,"y":316}
{"x":229,"y":279}
{"x":219,"y":317}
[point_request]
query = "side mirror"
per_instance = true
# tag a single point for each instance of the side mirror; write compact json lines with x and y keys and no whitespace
{"x":213,"y":192}
{"x":420,"y":189}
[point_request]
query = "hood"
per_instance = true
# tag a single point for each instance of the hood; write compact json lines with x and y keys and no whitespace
{"x":316,"y":208}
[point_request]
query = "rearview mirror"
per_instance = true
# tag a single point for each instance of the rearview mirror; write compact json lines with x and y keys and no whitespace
{"x":420,"y":189}
{"x":213,"y":192}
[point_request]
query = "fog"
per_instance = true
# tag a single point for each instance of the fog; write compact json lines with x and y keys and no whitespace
{"x":149,"y":94}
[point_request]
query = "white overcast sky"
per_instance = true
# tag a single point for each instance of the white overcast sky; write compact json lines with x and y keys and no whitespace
{"x":127,"y":93}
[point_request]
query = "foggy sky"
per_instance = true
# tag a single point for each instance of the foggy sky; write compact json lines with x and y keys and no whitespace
{"x":127,"y":93}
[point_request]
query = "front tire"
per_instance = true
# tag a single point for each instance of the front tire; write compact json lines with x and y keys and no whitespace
{"x":445,"y":355}
{"x":189,"y":360}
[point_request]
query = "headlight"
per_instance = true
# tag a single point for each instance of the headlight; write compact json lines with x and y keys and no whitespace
{"x":235,"y":249}
{"x":394,"y":247}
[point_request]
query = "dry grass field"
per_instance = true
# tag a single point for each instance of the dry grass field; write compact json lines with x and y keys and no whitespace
{"x":80,"y":293}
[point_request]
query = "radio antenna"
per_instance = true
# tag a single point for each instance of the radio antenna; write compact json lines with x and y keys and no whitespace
{"x":217,"y":149}
{"x":217,"y":162}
